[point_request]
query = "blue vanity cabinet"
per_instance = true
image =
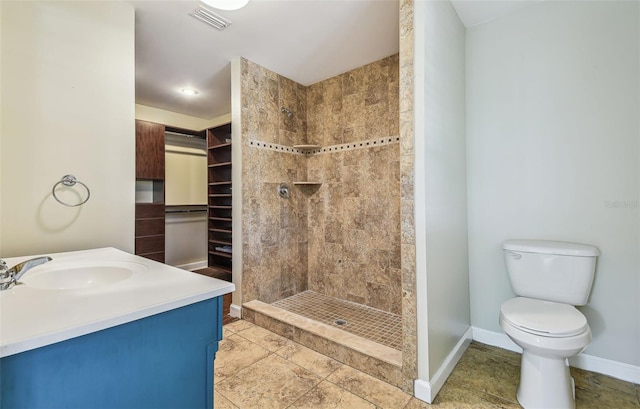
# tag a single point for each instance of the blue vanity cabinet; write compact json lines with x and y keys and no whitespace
{"x":161,"y":361}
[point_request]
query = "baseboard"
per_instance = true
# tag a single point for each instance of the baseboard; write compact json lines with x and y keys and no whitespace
{"x":495,"y":339}
{"x":620,"y":370}
{"x":615,"y":369}
{"x":194,"y":266}
{"x":427,"y":391}
{"x":235,"y":311}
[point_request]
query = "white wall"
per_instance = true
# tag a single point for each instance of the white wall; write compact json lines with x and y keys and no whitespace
{"x":67,"y":88}
{"x":1,"y":110}
{"x":553,"y":152}
{"x":441,"y":198}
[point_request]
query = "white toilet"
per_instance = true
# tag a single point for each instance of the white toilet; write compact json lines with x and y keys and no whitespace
{"x":549,"y":277}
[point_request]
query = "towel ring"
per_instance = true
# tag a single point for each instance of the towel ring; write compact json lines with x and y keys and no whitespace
{"x":69,"y":181}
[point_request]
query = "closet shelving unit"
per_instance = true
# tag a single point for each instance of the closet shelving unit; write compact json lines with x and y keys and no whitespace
{"x":219,"y":198}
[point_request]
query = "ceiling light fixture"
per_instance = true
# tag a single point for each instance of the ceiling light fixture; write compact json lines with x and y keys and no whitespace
{"x":226,"y":4}
{"x":189,"y":91}
{"x":204,"y":14}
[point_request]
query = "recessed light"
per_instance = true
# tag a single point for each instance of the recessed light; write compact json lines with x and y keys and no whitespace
{"x":189,"y":91}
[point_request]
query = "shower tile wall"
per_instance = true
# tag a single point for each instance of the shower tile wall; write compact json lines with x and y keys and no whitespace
{"x":346,"y":234}
{"x":273,"y":229}
{"x":408,"y":253}
{"x":357,"y":105}
{"x":354,"y":218}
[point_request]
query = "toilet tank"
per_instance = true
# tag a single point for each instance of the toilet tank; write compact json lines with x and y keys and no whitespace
{"x":551,"y":270}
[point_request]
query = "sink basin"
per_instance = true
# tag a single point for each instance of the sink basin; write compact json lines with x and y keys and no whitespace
{"x":68,"y":276}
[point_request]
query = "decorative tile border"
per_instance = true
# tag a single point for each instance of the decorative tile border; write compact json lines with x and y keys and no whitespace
{"x":275,"y":147}
{"x":370,"y":143}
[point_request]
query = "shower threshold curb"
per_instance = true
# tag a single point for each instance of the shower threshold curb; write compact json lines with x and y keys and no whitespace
{"x":329,"y":333}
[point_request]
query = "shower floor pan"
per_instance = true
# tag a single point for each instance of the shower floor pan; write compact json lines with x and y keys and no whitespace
{"x":362,"y":337}
{"x":370,"y":323}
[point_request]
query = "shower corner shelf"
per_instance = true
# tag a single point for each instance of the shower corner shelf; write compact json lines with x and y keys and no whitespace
{"x":307,"y":148}
{"x":307,"y":183}
{"x":308,"y":188}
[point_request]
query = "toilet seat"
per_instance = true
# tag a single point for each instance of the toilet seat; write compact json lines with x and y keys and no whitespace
{"x":543,"y":318}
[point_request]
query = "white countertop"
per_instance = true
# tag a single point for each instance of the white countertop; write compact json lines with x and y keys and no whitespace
{"x":33,"y":317}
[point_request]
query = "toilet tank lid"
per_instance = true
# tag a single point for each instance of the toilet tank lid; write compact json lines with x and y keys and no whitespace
{"x":551,"y":247}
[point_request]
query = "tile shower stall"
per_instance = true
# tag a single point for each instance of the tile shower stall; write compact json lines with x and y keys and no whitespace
{"x":323,"y":265}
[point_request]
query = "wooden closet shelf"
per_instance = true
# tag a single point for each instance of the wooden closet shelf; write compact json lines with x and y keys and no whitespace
{"x":220,"y":146}
{"x":220,"y":165}
{"x":220,"y":254}
{"x":223,"y":242}
{"x":221,"y":231}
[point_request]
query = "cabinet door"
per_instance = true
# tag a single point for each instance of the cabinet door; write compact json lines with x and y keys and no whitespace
{"x":149,"y":150}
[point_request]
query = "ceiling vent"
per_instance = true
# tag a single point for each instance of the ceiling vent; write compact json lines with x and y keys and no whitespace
{"x":209,"y":17}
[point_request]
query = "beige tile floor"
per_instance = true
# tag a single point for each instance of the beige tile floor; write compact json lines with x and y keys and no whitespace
{"x":256,"y":368}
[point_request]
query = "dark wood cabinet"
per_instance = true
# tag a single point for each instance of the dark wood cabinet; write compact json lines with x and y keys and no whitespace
{"x":150,"y":219}
{"x":219,"y":196}
{"x":149,"y":150}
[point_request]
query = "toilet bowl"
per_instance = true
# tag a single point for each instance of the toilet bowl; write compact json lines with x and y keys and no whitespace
{"x":549,"y":278}
{"x":545,"y":380}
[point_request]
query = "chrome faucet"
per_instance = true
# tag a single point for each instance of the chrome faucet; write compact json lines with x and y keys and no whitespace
{"x":10,"y":276}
